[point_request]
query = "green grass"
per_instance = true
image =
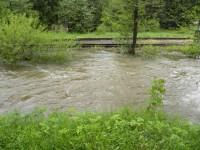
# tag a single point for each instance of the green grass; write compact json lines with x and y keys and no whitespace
{"x":181,"y":33}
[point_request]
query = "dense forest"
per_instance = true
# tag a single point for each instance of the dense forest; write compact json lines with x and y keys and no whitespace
{"x":108,"y":15}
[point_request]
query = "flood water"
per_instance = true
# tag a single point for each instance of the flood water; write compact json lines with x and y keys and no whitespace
{"x":102,"y":81}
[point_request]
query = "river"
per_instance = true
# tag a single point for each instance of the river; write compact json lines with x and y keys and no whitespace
{"x":102,"y":81}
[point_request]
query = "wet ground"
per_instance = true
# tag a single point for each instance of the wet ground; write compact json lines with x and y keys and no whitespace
{"x":103,"y":81}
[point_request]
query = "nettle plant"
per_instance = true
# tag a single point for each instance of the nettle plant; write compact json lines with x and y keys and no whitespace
{"x":157,"y":92}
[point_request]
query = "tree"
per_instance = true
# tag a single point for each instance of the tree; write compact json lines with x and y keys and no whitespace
{"x":135,"y":18}
{"x":48,"y":10}
{"x":197,"y":10}
{"x":137,"y":9}
{"x":20,"y":6}
{"x":96,"y":7}
{"x":75,"y":15}
{"x":112,"y":16}
{"x":126,"y":16}
{"x":177,"y":13}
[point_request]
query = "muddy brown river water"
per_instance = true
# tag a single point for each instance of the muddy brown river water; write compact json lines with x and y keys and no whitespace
{"x":102,"y":81}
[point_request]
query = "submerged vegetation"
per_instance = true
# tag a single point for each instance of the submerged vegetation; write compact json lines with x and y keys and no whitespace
{"x":124,"y":129}
{"x":191,"y":51}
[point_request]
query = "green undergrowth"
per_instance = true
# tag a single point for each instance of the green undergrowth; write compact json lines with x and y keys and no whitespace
{"x":192,"y":51}
{"x":124,"y":129}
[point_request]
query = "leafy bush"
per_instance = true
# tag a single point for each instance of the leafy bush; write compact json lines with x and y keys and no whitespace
{"x":18,"y":37}
{"x":22,"y":39}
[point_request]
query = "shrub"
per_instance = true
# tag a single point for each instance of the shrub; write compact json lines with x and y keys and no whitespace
{"x":18,"y":38}
{"x":22,"y":39}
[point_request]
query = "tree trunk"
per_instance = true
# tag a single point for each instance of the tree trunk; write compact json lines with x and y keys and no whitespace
{"x":134,"y":29}
{"x":197,"y":33}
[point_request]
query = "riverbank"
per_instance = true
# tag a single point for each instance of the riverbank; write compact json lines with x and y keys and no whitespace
{"x":117,"y":130}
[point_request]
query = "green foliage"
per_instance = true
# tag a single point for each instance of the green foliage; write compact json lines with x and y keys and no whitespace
{"x":147,"y":25}
{"x":3,"y":10}
{"x":165,"y":13}
{"x":112,"y":15}
{"x":96,"y":7}
{"x":192,"y":50}
{"x":22,"y":39}
{"x":117,"y":16}
{"x":157,"y":93}
{"x":118,"y":130}
{"x":149,"y":52}
{"x":47,"y":9}
{"x":178,"y":13}
{"x":17,"y":33}
{"x":75,"y":15}
{"x":21,"y":6}
{"x":80,"y":15}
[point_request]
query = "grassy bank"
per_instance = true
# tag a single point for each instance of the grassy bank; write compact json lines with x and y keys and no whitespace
{"x":181,"y":33}
{"x":118,"y":130}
